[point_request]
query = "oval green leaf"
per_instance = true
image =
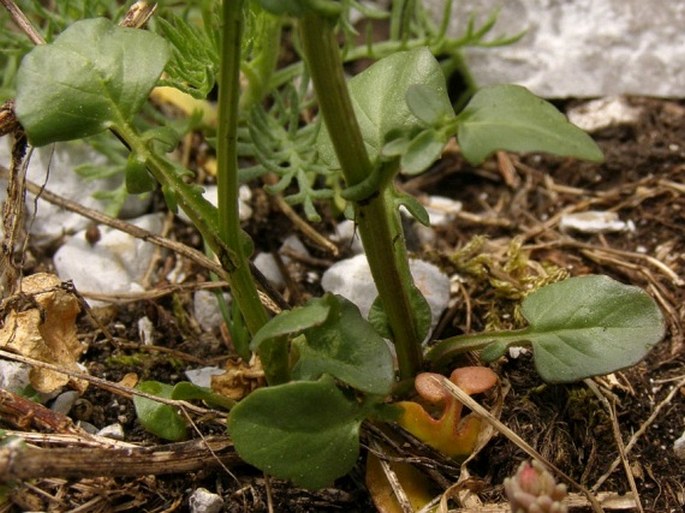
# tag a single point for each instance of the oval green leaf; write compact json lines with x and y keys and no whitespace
{"x":589,"y":326}
{"x":509,"y":117}
{"x":426,"y":105}
{"x":347,"y":347}
{"x":93,"y":76}
{"x":423,"y":150}
{"x":295,"y":321}
{"x":379,"y":99}
{"x":158,"y":418}
{"x":305,"y":431}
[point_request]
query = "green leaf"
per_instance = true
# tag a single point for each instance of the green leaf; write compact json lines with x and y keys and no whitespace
{"x":295,"y":321}
{"x":426,"y":105}
{"x":138,"y":179}
{"x":166,"y":421}
{"x":589,"y":326}
{"x":187,"y":391}
{"x":423,"y":150}
{"x":509,"y":117}
{"x":413,"y":206}
{"x":347,"y":347}
{"x":95,"y":75}
{"x":580,"y":327}
{"x":379,"y":99}
{"x":159,"y":419}
{"x":420,"y":307}
{"x":194,"y":60}
{"x":305,"y":431}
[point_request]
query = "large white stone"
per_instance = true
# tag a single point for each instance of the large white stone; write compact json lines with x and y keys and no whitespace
{"x":116,"y":263}
{"x":54,"y":166}
{"x":580,"y":48}
{"x":351,"y":278}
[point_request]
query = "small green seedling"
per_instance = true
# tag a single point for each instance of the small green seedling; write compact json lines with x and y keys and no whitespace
{"x":327,"y":367}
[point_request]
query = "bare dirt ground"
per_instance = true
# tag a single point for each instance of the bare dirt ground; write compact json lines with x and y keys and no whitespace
{"x":612,"y":435}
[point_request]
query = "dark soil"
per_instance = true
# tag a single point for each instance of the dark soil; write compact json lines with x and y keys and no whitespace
{"x":642,"y":180}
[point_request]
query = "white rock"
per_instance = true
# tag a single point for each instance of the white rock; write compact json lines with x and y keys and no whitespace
{"x":206,"y":309}
{"x":204,"y":501}
{"x":146,"y":330}
{"x":581,"y":48}
{"x":211,"y":194}
{"x":593,"y":221}
{"x":442,"y":210}
{"x":351,"y":278}
{"x":114,"y":264}
{"x":114,"y":431}
{"x":347,"y":236}
{"x":203,"y":377}
{"x":603,"y":113}
{"x":14,"y":376}
{"x":266,"y":263}
{"x":292,"y":244}
{"x":515,"y":352}
{"x":679,"y":447}
{"x":57,"y":162}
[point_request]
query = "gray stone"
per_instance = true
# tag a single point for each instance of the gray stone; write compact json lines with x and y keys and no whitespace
{"x":64,"y":401}
{"x":679,"y":447}
{"x":204,"y":501}
{"x":114,"y":431}
{"x":580,"y":48}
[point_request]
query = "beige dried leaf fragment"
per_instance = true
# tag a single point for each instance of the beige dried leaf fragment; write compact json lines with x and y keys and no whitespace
{"x":44,"y":328}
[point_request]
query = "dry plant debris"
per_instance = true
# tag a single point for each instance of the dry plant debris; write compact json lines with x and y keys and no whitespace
{"x":40,"y":323}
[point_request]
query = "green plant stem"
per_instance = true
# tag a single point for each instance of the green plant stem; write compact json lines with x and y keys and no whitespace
{"x":378,"y":218}
{"x":242,"y":285}
{"x":274,"y":356}
{"x":449,"y":347}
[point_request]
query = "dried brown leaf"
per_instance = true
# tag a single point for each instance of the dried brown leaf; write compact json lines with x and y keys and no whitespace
{"x":44,"y":328}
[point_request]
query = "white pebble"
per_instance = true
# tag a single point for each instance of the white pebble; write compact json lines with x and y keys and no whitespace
{"x":202,"y":377}
{"x":679,"y":447}
{"x":206,"y":309}
{"x":114,"y":431}
{"x":204,"y":501}
{"x":603,"y":113}
{"x":351,"y":278}
{"x":594,"y":221}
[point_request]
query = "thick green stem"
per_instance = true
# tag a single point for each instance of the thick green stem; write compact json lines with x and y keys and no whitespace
{"x":378,"y":218}
{"x":243,"y":287}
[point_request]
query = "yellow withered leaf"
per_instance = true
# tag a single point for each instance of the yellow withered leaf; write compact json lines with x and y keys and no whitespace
{"x":41,"y":324}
